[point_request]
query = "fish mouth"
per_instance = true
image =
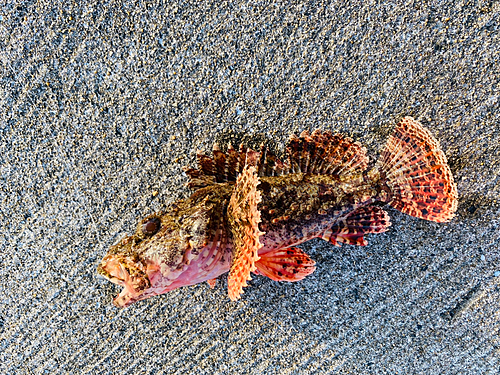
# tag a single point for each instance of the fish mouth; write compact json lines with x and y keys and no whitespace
{"x":126,"y":273}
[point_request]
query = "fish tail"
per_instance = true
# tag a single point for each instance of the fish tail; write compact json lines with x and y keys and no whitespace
{"x":415,"y":169}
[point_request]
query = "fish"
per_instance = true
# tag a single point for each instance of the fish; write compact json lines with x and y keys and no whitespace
{"x":249,"y":210}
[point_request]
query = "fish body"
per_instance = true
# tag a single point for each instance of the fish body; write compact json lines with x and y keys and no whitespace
{"x":249,"y":211}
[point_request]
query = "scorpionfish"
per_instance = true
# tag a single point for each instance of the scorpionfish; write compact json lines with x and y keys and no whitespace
{"x":250,"y":210}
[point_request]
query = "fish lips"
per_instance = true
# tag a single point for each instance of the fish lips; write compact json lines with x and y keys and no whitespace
{"x":127,"y":273}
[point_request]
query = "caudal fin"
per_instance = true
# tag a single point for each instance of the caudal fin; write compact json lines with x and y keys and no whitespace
{"x":418,"y":174}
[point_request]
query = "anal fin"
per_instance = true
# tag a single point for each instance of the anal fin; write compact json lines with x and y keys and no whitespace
{"x":350,"y":230}
{"x":290,"y":264}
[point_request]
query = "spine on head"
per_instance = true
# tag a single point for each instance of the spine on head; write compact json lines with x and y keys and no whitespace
{"x":415,"y":169}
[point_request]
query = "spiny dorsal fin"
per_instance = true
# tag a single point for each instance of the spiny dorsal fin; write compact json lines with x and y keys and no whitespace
{"x":316,"y":153}
{"x":269,"y":165}
{"x":226,"y":166}
{"x":198,"y":179}
{"x":325,"y":153}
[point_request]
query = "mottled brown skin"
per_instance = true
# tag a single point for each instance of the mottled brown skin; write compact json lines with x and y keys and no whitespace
{"x":298,"y":207}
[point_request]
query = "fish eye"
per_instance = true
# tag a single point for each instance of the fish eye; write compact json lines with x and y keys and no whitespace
{"x":151,"y":226}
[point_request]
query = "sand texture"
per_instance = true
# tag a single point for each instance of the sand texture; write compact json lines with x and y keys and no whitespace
{"x":103,"y":103}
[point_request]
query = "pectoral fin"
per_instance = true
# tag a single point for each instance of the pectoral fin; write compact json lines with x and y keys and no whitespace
{"x":290,"y":264}
{"x":244,"y":218}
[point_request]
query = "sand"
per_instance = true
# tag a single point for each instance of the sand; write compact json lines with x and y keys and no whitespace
{"x":102,"y":104}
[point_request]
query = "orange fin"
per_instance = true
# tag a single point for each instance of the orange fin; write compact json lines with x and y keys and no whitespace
{"x":325,"y":153}
{"x":350,"y":230}
{"x":212,"y":283}
{"x":244,"y":218}
{"x":418,"y":174}
{"x":290,"y":264}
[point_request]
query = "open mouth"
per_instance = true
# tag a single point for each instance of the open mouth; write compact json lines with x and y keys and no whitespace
{"x":126,"y":273}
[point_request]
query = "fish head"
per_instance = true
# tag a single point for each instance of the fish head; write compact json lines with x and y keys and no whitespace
{"x":161,"y":255}
{"x":127,"y":271}
{"x":132,"y":262}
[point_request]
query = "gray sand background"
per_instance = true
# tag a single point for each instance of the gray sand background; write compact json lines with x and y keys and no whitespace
{"x":102,"y":103}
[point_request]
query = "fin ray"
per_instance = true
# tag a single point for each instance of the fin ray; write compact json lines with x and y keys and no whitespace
{"x":289,"y":264}
{"x":244,"y":218}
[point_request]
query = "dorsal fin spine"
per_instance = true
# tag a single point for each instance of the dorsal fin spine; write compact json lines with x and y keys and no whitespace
{"x":320,"y":153}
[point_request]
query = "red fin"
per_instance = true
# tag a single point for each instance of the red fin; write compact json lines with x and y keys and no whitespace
{"x":290,"y":264}
{"x":212,"y":283}
{"x":244,"y":218}
{"x":368,"y":219}
{"x":324,"y":153}
{"x":418,"y":174}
